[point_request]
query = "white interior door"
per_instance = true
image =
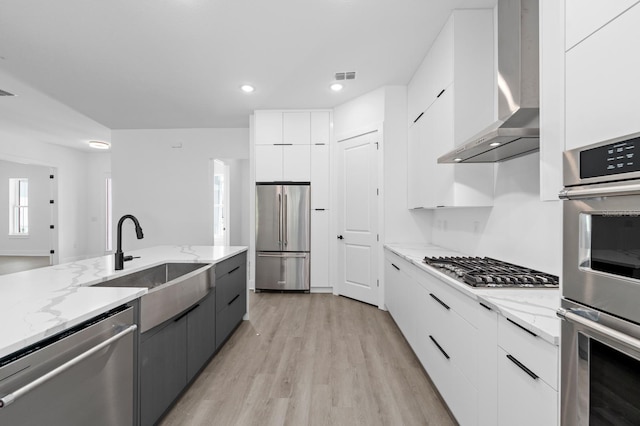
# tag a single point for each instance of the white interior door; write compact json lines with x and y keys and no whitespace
{"x":358,"y":218}
{"x":220,"y":203}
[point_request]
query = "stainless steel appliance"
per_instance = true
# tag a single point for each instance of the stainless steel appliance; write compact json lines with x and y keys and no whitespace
{"x":282,"y":236}
{"x":491,"y":273}
{"x":600,"y":340}
{"x":82,"y":376}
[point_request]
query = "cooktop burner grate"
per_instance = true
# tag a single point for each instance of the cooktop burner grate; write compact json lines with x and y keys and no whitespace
{"x":492,"y":273}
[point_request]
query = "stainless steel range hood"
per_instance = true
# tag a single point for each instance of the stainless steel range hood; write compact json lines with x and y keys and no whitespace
{"x":517,"y":131}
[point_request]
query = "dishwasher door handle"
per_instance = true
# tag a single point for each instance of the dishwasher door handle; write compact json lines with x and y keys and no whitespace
{"x":12,"y":397}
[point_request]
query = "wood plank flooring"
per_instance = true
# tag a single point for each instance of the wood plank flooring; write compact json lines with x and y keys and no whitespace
{"x":312,"y":359}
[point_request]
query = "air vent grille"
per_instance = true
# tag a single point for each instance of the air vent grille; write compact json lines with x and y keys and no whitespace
{"x":348,"y":75}
{"x":5,"y":93}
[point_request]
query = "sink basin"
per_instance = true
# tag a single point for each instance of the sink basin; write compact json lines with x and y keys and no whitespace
{"x":173,"y":288}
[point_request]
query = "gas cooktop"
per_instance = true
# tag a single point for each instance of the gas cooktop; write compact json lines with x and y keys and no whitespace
{"x":491,"y":273}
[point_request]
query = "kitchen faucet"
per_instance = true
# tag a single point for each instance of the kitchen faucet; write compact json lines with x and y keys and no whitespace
{"x":119,"y":255}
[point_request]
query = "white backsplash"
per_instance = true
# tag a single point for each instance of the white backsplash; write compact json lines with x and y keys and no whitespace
{"x":519,"y":228}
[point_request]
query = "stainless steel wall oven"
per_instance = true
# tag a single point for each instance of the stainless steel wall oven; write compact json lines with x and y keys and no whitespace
{"x":600,"y":348}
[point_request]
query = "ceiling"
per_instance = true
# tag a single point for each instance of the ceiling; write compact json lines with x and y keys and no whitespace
{"x":142,"y":64}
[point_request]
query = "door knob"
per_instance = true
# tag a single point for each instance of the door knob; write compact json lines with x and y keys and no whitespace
{"x":340,"y":237}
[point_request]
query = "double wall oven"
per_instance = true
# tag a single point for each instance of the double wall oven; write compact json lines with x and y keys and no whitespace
{"x":600,"y":352}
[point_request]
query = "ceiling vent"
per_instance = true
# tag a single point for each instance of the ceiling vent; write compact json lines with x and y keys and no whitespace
{"x":350,"y":75}
{"x":4,"y":93}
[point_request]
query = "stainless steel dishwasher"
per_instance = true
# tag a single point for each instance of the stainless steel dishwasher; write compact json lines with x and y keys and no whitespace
{"x":82,"y":376}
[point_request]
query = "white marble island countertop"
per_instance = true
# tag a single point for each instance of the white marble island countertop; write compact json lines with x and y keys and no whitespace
{"x":533,"y":309}
{"x":42,"y":302}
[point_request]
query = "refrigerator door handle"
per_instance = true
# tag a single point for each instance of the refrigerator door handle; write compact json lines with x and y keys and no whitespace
{"x":298,"y":255}
{"x":279,"y":219}
{"x":286,"y":221}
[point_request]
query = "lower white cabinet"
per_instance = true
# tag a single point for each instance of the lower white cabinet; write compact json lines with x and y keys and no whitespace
{"x":463,"y":345}
{"x":319,"y":248}
{"x":522,"y":399}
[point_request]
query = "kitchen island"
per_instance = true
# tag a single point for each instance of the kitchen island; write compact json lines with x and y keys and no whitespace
{"x":40,"y":303}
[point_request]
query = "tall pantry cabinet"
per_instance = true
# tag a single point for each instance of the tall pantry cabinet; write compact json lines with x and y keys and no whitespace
{"x":294,"y":146}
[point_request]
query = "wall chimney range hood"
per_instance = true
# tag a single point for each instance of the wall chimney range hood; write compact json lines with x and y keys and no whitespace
{"x":517,"y":131}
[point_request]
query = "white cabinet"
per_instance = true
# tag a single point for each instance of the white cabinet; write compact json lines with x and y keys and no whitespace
{"x":319,"y":248}
{"x":268,"y":127}
{"x":320,"y":127}
{"x":275,"y":163}
{"x":584,"y":17}
{"x":434,"y":185}
{"x":296,"y":128}
{"x":455,"y":85}
{"x":320,"y":177}
{"x":523,"y":400}
{"x":602,"y":90}
{"x":527,"y":377}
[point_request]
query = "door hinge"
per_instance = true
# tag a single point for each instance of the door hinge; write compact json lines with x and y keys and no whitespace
{"x":377,"y":237}
{"x":378,"y":283}
{"x":377,"y":191}
{"x":377,"y":146}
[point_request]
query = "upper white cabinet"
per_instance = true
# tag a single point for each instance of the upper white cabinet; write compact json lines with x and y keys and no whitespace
{"x":268,"y":129}
{"x":584,"y":17}
{"x":455,"y":85}
{"x":296,"y":128}
{"x":434,"y":74}
{"x":602,"y":90}
{"x":320,"y":127}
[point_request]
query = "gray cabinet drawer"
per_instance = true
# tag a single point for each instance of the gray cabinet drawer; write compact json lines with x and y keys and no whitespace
{"x":228,"y":318}
{"x":230,"y":285}
{"x":232,"y":264}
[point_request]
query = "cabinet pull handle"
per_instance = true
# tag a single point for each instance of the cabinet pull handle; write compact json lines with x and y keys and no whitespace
{"x":485,"y":306}
{"x":440,"y":94}
{"x":531,"y":374}
{"x":187,"y":312}
{"x":319,"y":210}
{"x":395,"y":266}
{"x":234,"y":269}
{"x":233,"y":300}
{"x":282,"y":144}
{"x":522,"y":328}
{"x":418,"y":117}
{"x":439,"y":301}
{"x":439,"y":347}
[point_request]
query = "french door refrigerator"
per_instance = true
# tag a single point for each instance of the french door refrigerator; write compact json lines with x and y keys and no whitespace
{"x":282,"y":236}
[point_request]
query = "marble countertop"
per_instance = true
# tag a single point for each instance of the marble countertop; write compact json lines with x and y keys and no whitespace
{"x":533,"y":309}
{"x":42,"y":302}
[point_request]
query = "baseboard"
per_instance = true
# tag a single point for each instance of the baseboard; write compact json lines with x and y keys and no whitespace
{"x":321,"y":289}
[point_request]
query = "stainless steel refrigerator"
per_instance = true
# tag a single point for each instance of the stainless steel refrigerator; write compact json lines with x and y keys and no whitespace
{"x":282,"y":236}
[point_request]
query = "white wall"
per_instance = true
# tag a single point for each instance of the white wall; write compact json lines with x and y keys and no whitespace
{"x":387,"y":106}
{"x":35,"y":129}
{"x":37,"y":243}
{"x":519,"y":228}
{"x":164,"y":178}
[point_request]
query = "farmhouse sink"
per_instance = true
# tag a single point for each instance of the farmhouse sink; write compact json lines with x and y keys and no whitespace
{"x":173,"y":288}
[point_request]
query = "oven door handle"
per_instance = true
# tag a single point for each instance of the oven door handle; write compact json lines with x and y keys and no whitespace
{"x":615,"y":335}
{"x":609,"y":191}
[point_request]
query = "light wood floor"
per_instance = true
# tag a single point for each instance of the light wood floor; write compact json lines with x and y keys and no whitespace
{"x":315,"y":359}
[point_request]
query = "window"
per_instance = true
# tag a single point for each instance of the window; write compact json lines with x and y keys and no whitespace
{"x":19,"y":206}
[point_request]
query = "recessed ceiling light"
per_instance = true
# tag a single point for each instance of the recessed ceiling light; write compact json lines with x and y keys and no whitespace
{"x":494,"y":144}
{"x":457,"y":160}
{"x":247,"y":88}
{"x":99,"y":145}
{"x":336,"y":87}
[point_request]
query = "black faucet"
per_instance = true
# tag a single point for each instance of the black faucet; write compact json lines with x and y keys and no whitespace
{"x":119,"y":255}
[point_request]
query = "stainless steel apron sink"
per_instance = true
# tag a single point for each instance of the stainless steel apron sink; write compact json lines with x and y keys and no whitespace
{"x":173,"y":288}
